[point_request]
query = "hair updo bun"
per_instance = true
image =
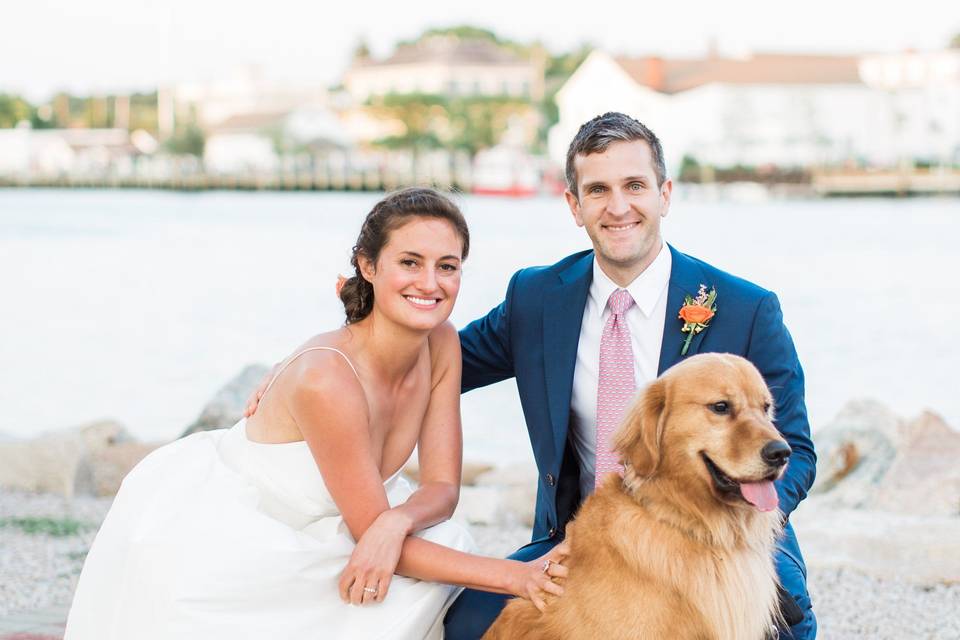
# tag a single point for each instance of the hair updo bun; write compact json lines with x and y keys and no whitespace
{"x":389,"y":214}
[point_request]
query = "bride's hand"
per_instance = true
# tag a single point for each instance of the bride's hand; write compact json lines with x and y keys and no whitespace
{"x":373,"y":562}
{"x":534,"y":579}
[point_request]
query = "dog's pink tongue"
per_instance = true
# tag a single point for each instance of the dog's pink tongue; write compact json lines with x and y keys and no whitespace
{"x":762,"y":495}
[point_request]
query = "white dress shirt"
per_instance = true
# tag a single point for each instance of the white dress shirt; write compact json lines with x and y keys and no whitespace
{"x":645,"y":319}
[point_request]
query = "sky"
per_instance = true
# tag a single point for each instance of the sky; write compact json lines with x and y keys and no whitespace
{"x":91,"y":46}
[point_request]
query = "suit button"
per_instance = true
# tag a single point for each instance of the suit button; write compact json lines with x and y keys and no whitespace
{"x":552,"y":533}
{"x":550,"y":479}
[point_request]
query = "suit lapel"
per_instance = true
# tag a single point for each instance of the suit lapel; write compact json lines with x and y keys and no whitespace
{"x":685,"y":279}
{"x":562,"y":316}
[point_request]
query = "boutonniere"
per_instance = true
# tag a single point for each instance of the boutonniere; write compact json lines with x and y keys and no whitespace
{"x":696,"y":314}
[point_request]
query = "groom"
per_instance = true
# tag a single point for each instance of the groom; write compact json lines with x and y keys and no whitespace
{"x":551,"y":333}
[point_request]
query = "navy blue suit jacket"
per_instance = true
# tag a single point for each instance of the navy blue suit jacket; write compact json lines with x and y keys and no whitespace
{"x":533,"y":336}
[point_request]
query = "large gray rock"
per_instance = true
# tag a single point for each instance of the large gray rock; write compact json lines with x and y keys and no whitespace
{"x":886,"y":499}
{"x":871,"y":459}
{"x":104,"y":469}
{"x":854,"y":453}
{"x":226,"y":406}
{"x":59,"y":462}
{"x":924,"y":478}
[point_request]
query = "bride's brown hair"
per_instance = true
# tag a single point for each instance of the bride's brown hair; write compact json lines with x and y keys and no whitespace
{"x":393,"y":212}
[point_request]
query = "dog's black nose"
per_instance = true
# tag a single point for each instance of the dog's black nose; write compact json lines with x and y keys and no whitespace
{"x":775,"y":453}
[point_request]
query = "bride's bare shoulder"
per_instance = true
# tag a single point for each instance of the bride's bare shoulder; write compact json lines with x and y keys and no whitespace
{"x":324,"y":369}
{"x":325,"y":396}
{"x":444,"y":344}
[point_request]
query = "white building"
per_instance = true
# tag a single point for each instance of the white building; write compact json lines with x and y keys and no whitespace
{"x":27,"y":152}
{"x":782,"y":110}
{"x":446,"y":65}
{"x":252,"y":142}
{"x":600,"y":84}
{"x":243,"y":91}
{"x":924,"y":96}
{"x":248,"y":118}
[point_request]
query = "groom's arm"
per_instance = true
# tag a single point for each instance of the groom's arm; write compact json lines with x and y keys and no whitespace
{"x":486,"y":347}
{"x":771,"y":350}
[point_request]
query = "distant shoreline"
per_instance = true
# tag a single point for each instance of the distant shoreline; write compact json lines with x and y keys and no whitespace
{"x":279,"y":184}
{"x":836,"y":184}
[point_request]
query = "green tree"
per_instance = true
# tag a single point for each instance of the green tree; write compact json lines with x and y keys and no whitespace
{"x":14,"y":109}
{"x":478,"y":122}
{"x":463,"y":31}
{"x":561,"y":66}
{"x":422,"y":114}
{"x":469,"y":32}
{"x":558,"y":70}
{"x":690,"y":170}
{"x":143,"y":112}
{"x":955,"y":42}
{"x":187,"y":140}
{"x":67,"y":110}
{"x":431,"y":121}
{"x":362,"y":50}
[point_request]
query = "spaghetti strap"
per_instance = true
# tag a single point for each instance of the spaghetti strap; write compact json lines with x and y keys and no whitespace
{"x":300,"y":353}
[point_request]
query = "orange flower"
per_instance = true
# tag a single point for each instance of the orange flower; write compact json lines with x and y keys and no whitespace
{"x":695,"y":314}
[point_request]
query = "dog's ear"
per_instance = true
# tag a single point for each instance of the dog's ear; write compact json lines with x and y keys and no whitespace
{"x":638,"y":440}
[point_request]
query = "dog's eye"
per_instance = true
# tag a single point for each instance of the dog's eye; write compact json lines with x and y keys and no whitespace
{"x":766,"y":407}
{"x":721,"y":408}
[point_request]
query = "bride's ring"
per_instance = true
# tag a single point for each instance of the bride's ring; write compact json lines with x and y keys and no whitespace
{"x":546,"y":565}
{"x":370,"y":590}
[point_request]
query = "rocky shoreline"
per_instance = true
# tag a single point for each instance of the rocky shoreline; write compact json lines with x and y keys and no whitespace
{"x":880,"y":529}
{"x":39,"y":570}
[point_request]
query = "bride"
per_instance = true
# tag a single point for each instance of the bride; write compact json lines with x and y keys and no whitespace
{"x":275,"y":527}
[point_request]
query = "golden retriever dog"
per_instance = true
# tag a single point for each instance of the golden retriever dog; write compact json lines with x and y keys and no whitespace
{"x":680,"y":547}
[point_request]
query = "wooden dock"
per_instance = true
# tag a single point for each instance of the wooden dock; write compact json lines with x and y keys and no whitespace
{"x":914,"y":182}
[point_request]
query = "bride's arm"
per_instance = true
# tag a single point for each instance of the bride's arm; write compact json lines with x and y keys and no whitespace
{"x":426,"y":560}
{"x":440,"y":453}
{"x":344,"y":443}
{"x":331,"y":411}
{"x":440,"y":444}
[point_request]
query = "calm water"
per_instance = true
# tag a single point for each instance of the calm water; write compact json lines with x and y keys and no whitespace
{"x":139,"y":305}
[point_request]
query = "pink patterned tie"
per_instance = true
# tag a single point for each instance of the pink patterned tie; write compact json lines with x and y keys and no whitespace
{"x":616,"y":383}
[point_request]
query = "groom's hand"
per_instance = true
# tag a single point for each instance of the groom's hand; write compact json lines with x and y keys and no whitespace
{"x":253,"y":400}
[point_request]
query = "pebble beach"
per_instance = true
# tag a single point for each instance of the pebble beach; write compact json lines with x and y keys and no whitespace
{"x":44,"y":539}
{"x":880,"y":529}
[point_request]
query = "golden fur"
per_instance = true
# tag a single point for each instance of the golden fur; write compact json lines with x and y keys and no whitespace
{"x":664,"y":553}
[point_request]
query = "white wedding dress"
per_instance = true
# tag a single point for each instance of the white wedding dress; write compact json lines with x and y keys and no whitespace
{"x":215,"y":536}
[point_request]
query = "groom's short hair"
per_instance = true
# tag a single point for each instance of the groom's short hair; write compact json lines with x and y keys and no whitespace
{"x":598,"y":134}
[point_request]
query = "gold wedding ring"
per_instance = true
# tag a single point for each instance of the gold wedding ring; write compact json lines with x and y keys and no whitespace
{"x":546,"y":565}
